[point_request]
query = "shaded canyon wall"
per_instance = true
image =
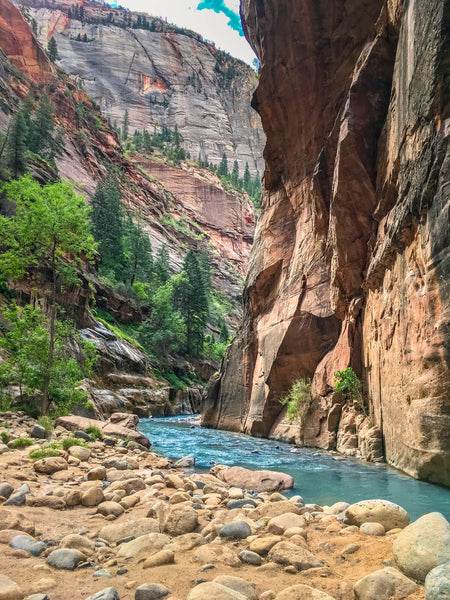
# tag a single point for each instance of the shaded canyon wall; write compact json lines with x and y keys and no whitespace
{"x":350,"y":265}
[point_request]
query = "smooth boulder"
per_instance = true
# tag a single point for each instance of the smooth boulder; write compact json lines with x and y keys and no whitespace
{"x":423,"y":545}
{"x":384,"y":584}
{"x":386,"y":513}
{"x":257,"y":481}
{"x":302,"y":592}
{"x":437,"y":583}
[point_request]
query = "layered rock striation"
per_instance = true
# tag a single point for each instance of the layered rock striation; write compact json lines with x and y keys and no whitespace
{"x":163,"y":78}
{"x":350,"y":265}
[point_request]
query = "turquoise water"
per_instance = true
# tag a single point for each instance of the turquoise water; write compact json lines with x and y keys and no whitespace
{"x":319,"y":477}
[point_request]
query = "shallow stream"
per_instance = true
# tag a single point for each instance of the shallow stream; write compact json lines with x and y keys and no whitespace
{"x":319,"y":477}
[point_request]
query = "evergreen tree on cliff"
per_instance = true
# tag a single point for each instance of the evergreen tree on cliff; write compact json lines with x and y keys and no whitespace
{"x":16,"y":146}
{"x":52,"y":50}
{"x":191,"y":299}
{"x":222,"y":171}
{"x":125,"y":126}
{"x":108,"y":226}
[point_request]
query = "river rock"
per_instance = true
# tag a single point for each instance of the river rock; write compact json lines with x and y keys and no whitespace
{"x":110,"y":508}
{"x":17,"y":499}
{"x":9,"y":590}
{"x":185,"y":462}
{"x":132,"y":527}
{"x":92,"y":497}
{"x":186,"y":542}
{"x":38,"y":432}
{"x":240,"y":503}
{"x":263,"y":545}
{"x":258,"y":481}
{"x":302,"y":592}
{"x":386,"y":513}
{"x":384,"y":584}
{"x":119,"y":464}
{"x":150,"y":591}
{"x":24,"y":542}
{"x":269,"y":510}
{"x":437,"y":583}
{"x":82,"y":435}
{"x":6,"y":489}
{"x":236,"y":530}
{"x":238,"y":585}
{"x":214,"y":591}
{"x":95,"y":474}
{"x":372,"y":529}
{"x":164,"y":557}
{"x":423,"y":545}
{"x":216,"y":553}
{"x":250,"y":558}
{"x":180,"y":520}
{"x":64,"y":558}
{"x":148,"y":543}
{"x":80,"y":452}
{"x":278,"y":525}
{"x":77,"y":542}
{"x":3,"y":448}
{"x":106,"y":594}
{"x":286,"y":553}
{"x":51,"y":465}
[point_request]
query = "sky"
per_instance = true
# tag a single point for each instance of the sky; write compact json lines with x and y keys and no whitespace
{"x":216,"y":20}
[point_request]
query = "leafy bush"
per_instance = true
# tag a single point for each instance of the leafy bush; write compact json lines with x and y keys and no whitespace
{"x":22,"y":442}
{"x":71,"y":441}
{"x":297,"y":400}
{"x":43,"y":453}
{"x":175,"y":381}
{"x":348,"y":384}
{"x":94,"y":433}
{"x":4,"y":436}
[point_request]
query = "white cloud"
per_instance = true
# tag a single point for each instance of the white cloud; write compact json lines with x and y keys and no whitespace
{"x":212,"y":26}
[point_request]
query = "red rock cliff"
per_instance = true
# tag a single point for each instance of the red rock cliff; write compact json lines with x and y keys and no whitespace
{"x":351,"y":259}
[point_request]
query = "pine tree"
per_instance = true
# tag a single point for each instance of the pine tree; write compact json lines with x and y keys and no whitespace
{"x":235,"y":174}
{"x":108,"y":226}
{"x":138,"y":253}
{"x":52,"y":50}
{"x":247,"y":183}
{"x":161,"y":266}
{"x":222,"y":171}
{"x":125,"y":125}
{"x":224,"y":335}
{"x":16,"y":145}
{"x":190,"y":298}
{"x":85,"y":38}
{"x":33,"y":26}
{"x":41,"y":137}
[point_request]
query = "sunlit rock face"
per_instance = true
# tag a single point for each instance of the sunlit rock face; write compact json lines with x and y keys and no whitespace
{"x":162,"y":79}
{"x":350,"y":265}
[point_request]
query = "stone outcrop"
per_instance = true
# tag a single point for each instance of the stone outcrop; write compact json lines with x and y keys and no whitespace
{"x":163,"y":78}
{"x":350,"y":264}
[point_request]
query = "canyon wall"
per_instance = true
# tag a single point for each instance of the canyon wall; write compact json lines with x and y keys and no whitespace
{"x":351,"y":262}
{"x":162,"y":78}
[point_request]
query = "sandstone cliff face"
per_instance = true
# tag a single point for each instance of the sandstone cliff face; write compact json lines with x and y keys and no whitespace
{"x":350,"y":265}
{"x":162,"y":79}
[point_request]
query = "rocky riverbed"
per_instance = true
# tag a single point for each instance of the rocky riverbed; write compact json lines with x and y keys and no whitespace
{"x":110,"y":519}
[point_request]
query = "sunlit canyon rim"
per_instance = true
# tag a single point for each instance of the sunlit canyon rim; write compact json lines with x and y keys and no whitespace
{"x":350,"y":263}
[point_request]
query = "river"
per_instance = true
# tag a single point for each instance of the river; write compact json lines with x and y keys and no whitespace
{"x":320,"y":477}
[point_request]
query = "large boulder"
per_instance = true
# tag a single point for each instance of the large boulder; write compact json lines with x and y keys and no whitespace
{"x":385,"y":584}
{"x":131,"y":527}
{"x":148,"y":543}
{"x":181,"y":520}
{"x":214,"y":591}
{"x":423,"y":545}
{"x":386,"y":513}
{"x":437,"y":583}
{"x":238,"y":585}
{"x":51,"y":465}
{"x":257,"y":481}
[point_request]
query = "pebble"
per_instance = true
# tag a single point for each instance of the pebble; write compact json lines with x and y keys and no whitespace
{"x":24,"y":542}
{"x":6,"y":489}
{"x":17,"y":499}
{"x":63,"y":558}
{"x":106,"y":594}
{"x":82,"y":435}
{"x":235,"y":529}
{"x":240,"y":503}
{"x":351,"y":549}
{"x":250,"y":558}
{"x":102,"y":573}
{"x":150,"y":591}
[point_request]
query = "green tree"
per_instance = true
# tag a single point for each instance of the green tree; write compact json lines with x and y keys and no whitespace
{"x":138,"y":253}
{"x":161,"y":266}
{"x":16,"y":145}
{"x":247,"y":183}
{"x":108,"y":227}
{"x":52,"y":50}
{"x":222,"y":171}
{"x":235,"y":174}
{"x":40,"y":137}
{"x":164,"y":331}
{"x":224,"y":335}
{"x":50,"y":227}
{"x":33,"y":26}
{"x":191,"y":299}
{"x":125,"y":126}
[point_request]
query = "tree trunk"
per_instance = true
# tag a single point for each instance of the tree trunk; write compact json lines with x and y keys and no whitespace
{"x":51,"y":350}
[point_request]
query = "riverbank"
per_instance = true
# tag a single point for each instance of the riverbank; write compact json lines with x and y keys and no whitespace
{"x":123,"y":517}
